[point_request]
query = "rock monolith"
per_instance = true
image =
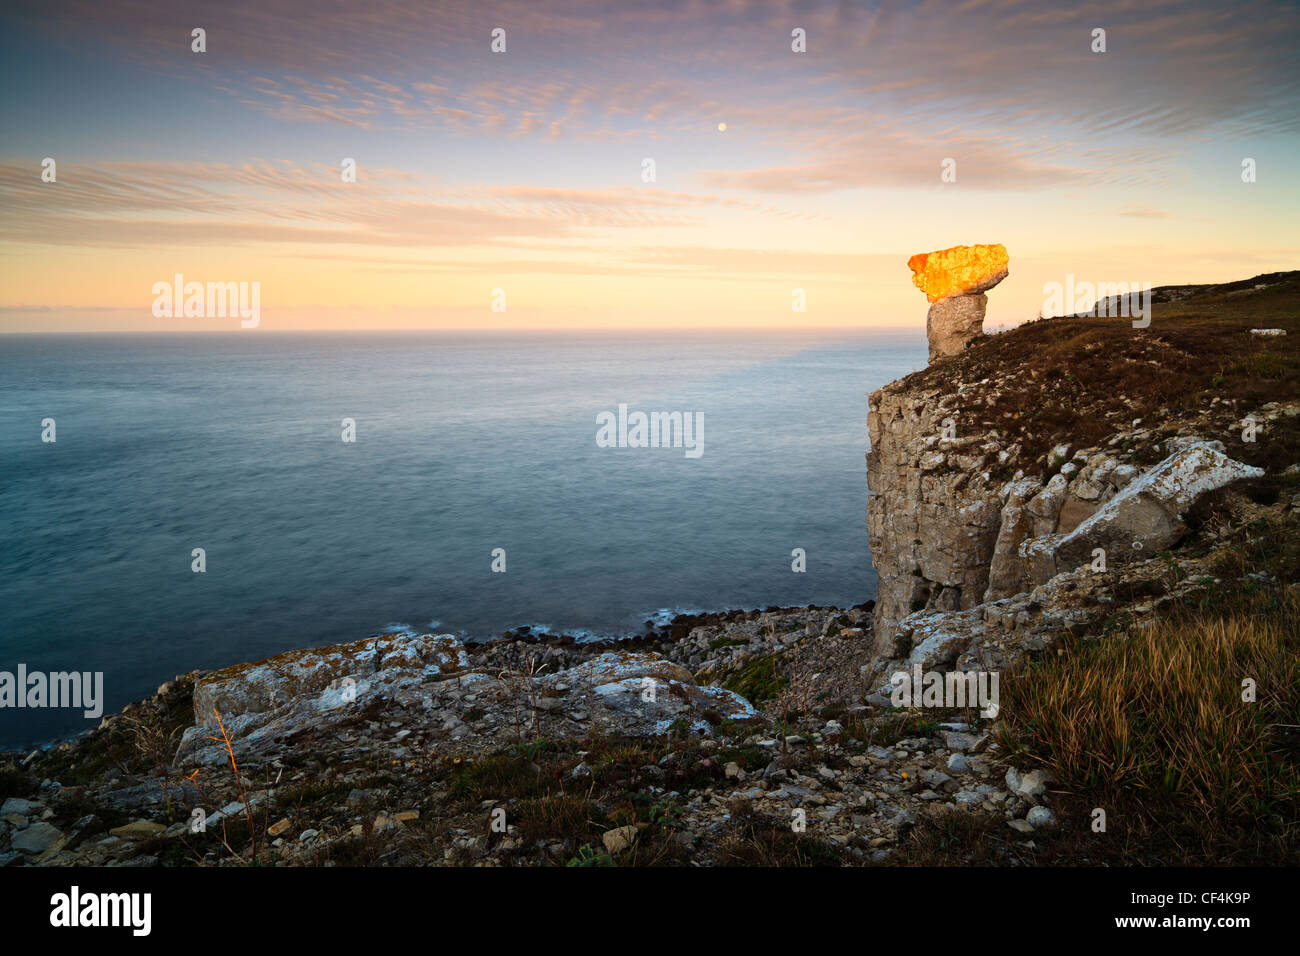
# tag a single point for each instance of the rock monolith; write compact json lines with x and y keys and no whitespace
{"x":955,"y":280}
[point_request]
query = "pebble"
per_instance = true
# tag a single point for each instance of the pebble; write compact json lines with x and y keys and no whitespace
{"x":618,"y":839}
{"x":1040,"y":818}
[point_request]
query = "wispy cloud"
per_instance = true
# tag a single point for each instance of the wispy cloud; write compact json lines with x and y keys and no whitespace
{"x":148,"y":203}
{"x":529,"y":163}
{"x":1172,"y":68}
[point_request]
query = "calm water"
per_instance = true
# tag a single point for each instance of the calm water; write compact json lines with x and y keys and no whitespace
{"x":465,"y":443}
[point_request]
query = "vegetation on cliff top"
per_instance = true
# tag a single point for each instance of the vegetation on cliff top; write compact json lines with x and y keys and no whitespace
{"x":1081,"y":380}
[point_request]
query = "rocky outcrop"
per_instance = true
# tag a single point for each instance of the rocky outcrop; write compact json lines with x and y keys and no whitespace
{"x":271,"y":706}
{"x":950,"y":529}
{"x":1140,"y":520}
{"x":934,"y":512}
{"x":248,"y":696}
{"x":953,"y":281}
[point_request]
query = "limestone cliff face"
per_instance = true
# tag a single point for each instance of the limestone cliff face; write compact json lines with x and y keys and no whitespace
{"x":934,"y":512}
{"x":955,"y":523}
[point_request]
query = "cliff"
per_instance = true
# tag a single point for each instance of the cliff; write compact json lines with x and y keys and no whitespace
{"x":1073,"y":443}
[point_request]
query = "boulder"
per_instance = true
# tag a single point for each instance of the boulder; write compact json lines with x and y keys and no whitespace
{"x":618,"y":839}
{"x":1040,"y":818}
{"x":18,"y":805}
{"x":954,"y":323}
{"x":937,"y":637}
{"x":1142,"y":519}
{"x":36,"y":838}
{"x":960,"y":270}
{"x":137,"y":830}
{"x":1029,"y":786}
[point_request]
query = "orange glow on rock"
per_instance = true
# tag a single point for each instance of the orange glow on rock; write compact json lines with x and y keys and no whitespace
{"x":961,"y":270}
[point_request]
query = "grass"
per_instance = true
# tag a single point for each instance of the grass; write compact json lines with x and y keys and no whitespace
{"x":559,"y":816}
{"x":498,"y":777}
{"x":759,"y":841}
{"x":758,"y":681}
{"x":139,"y":741}
{"x":1151,"y":724}
{"x":1079,"y":380}
{"x":956,"y":838}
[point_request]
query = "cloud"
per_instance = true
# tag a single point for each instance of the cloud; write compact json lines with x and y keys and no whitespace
{"x":645,"y":261}
{"x":600,"y":69}
{"x":128,"y":204}
{"x":1144,"y":212}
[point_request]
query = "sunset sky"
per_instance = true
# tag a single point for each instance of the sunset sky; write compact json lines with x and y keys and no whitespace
{"x":523,"y":170}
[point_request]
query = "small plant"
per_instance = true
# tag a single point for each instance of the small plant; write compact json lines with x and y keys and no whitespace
{"x":586,"y":856}
{"x":520,"y":683}
{"x":156,"y":746}
{"x":226,"y":743}
{"x":758,"y":681}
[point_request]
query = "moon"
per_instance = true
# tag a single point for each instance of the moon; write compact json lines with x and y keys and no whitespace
{"x":722,"y":127}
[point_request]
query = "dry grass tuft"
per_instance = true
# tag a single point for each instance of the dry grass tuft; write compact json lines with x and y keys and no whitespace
{"x":1154,"y":721}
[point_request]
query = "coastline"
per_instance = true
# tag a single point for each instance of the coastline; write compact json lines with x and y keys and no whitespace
{"x":674,"y":625}
{"x":1101,"y":537}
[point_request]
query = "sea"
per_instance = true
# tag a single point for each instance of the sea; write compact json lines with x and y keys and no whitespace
{"x":199,"y":505}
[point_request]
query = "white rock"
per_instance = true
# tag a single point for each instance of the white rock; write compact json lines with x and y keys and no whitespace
{"x":1029,"y":785}
{"x":1143,"y":518}
{"x":1040,"y":818}
{"x":37,"y":838}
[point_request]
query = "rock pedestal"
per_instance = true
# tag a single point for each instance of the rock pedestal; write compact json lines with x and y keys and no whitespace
{"x":954,"y":281}
{"x":954,"y":323}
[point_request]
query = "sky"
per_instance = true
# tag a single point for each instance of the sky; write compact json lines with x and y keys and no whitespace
{"x":526,"y":170}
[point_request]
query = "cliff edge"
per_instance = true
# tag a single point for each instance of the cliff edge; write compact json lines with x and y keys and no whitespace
{"x":1072,"y":445}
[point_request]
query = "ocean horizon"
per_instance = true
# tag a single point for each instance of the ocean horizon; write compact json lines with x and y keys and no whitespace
{"x":466,"y":445}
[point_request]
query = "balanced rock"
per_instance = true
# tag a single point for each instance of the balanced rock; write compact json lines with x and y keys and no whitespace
{"x":961,"y":270}
{"x":954,"y":281}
